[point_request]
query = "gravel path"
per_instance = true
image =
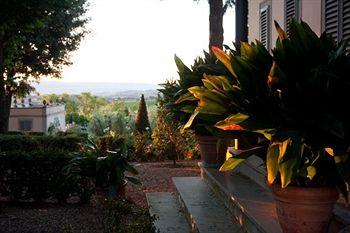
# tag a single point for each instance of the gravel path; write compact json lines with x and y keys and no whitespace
{"x":156,"y":177}
{"x":25,"y":218}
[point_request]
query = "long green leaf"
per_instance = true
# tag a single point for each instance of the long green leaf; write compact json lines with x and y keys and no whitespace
{"x":272,"y":162}
{"x":238,"y":156}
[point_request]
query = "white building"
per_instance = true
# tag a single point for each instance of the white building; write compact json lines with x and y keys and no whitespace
{"x":37,"y":118}
{"x":332,"y":16}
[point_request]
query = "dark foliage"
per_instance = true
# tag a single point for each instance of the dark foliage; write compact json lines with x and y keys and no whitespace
{"x":142,"y":123}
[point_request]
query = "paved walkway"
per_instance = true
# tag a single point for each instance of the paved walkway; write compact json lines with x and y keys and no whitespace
{"x":156,"y":177}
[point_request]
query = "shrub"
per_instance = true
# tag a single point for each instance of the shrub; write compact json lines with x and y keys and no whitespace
{"x":69,"y":142}
{"x":37,"y":175}
{"x":109,"y":142}
{"x":169,"y":142}
{"x":142,"y":147}
{"x":142,"y":123}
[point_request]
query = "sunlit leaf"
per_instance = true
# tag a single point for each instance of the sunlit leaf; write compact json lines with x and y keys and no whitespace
{"x":191,"y":119}
{"x":224,"y":58}
{"x":232,"y":122}
{"x":281,"y":34}
{"x":311,"y":172}
{"x":330,"y":151}
{"x":238,"y":156}
{"x":185,"y":97}
{"x":272,"y":162}
{"x":289,"y":159}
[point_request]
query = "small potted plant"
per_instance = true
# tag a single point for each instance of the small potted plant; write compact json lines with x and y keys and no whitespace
{"x":294,"y":98}
{"x":108,"y":168}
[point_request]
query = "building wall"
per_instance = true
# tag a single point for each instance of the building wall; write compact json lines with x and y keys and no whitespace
{"x":54,"y":115}
{"x":35,"y":114}
{"x":41,"y":117}
{"x":311,"y":13}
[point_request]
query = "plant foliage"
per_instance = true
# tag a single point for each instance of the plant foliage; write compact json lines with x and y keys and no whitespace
{"x":294,"y":98}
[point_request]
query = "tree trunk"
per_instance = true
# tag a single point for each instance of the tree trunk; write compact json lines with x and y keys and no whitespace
{"x":5,"y":96}
{"x":5,"y":107}
{"x":216,"y":31}
{"x":241,"y":21}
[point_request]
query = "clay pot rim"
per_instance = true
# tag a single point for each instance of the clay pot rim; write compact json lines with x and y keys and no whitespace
{"x":305,"y":194}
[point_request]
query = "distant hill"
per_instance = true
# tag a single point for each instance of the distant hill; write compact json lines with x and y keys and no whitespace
{"x":111,"y":90}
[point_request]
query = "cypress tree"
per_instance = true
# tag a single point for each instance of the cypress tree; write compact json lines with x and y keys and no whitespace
{"x":142,"y":123}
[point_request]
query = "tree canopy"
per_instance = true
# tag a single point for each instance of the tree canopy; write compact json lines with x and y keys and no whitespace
{"x":36,"y":38}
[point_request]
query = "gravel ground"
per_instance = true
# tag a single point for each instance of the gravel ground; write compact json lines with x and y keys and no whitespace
{"x":156,"y":177}
{"x":29,"y":218}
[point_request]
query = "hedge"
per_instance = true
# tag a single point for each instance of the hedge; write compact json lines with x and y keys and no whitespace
{"x":39,"y":175}
{"x":11,"y":142}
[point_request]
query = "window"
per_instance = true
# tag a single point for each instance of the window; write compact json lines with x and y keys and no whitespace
{"x":25,"y":125}
{"x":292,"y":9}
{"x":337,"y":18}
{"x":265,"y":24}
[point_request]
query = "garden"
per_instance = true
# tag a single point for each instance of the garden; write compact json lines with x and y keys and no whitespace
{"x":286,"y":106}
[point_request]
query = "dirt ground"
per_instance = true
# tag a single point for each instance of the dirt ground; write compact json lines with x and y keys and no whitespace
{"x":22,"y":218}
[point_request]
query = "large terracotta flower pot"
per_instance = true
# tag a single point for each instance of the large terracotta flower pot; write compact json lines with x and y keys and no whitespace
{"x":211,"y":154}
{"x":304,"y":210}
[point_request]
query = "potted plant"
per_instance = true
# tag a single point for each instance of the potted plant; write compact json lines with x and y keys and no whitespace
{"x":182,"y":104}
{"x":296,"y":101}
{"x":107,"y":167}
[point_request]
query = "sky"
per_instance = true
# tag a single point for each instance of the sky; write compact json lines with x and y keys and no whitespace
{"x":134,"y":41}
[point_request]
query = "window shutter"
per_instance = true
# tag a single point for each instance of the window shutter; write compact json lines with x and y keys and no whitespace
{"x":292,"y":10}
{"x":331,"y":18}
{"x":265,"y":25}
{"x":346,"y":20}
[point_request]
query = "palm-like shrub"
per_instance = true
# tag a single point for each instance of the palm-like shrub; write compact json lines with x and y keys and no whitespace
{"x":180,"y":102}
{"x":294,"y":98}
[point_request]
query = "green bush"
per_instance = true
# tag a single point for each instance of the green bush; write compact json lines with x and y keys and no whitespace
{"x":169,"y":142}
{"x":109,"y":142}
{"x":38,"y":175}
{"x":12,"y":142}
{"x":142,"y":148}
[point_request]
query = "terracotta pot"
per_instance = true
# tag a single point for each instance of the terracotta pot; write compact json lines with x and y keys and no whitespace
{"x":122,"y":190}
{"x":105,"y":192}
{"x":304,"y":210}
{"x":210,"y":155}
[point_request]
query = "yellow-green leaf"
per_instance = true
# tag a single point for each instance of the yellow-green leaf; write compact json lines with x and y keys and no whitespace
{"x":224,"y":58}
{"x":246,"y":49}
{"x":196,"y":91}
{"x":238,"y":156}
{"x":283,"y":148}
{"x":281,"y":34}
{"x":230,"y":164}
{"x":190,"y":121}
{"x":272,"y":162}
{"x":232,"y":122}
{"x":185,"y":97}
{"x":311,"y":172}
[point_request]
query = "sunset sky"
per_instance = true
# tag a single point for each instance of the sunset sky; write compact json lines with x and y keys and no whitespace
{"x":134,"y":41}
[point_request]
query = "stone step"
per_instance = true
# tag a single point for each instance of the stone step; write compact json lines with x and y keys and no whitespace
{"x":252,"y":205}
{"x":203,"y":210}
{"x":166,"y":207}
{"x":247,"y":196}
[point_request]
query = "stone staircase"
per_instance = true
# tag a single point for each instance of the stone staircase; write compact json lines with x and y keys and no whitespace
{"x":224,"y":202}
